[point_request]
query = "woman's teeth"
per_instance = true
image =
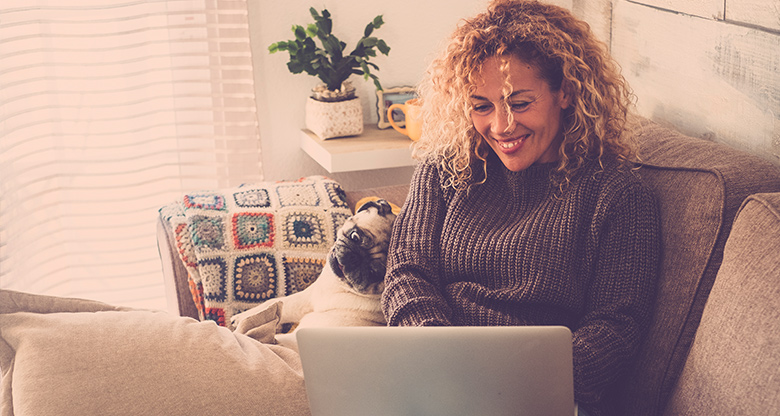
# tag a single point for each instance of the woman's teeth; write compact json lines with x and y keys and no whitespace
{"x":512,"y":144}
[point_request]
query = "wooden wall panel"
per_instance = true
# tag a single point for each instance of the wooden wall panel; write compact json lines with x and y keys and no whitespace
{"x":598,"y":14}
{"x":707,"y":78}
{"x":712,"y":9}
{"x":764,"y":13}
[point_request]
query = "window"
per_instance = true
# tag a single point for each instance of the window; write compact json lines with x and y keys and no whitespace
{"x":110,"y":109}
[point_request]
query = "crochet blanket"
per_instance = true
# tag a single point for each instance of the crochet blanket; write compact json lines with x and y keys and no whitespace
{"x":244,"y":245}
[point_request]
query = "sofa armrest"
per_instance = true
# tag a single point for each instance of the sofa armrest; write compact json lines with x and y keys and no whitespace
{"x":733,"y":364}
{"x":177,"y":290}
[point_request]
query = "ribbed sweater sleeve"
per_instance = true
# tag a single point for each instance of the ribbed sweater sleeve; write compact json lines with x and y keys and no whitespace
{"x":626,"y":237}
{"x":412,"y":295}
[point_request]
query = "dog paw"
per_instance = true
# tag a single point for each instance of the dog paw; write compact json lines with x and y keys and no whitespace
{"x":236,"y":319}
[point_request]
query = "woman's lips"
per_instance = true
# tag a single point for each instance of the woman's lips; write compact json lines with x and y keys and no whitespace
{"x":510,"y":146}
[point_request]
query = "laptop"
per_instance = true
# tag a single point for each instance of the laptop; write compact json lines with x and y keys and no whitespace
{"x":430,"y":371}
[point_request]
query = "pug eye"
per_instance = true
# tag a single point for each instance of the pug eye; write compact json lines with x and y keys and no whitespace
{"x":355,"y":237}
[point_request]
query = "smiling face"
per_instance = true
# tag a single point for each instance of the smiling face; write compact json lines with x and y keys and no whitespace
{"x":517,"y":113}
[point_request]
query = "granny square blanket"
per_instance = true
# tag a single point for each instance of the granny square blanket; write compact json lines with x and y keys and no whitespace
{"x":244,"y":245}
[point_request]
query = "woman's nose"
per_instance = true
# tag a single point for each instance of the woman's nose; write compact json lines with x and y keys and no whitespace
{"x":501,"y":123}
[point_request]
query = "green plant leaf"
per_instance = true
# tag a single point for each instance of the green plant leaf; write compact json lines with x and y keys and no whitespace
{"x":382,"y":46}
{"x":295,"y":67}
{"x":333,"y":47}
{"x":369,"y":42}
{"x":300,"y":32}
{"x":327,"y":61}
{"x":324,"y":23}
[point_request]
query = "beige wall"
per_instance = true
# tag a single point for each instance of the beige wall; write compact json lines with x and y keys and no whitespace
{"x":710,"y":68}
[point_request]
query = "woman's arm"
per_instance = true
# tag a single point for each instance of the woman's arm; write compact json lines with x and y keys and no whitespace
{"x":626,"y":234}
{"x":412,"y":293}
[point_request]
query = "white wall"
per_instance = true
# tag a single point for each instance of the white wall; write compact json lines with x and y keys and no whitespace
{"x":710,"y":68}
{"x":414,"y":30}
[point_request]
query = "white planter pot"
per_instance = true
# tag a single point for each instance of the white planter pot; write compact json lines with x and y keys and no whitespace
{"x":334,"y":119}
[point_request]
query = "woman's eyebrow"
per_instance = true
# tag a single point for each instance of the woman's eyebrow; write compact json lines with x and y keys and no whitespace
{"x":479,"y":97}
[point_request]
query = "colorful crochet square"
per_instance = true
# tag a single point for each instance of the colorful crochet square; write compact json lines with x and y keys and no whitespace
{"x":304,"y":230}
{"x":196,"y":289}
{"x":301,"y":272}
{"x":253,"y":229}
{"x":184,"y":245}
{"x":215,"y":314}
{"x":256,"y":277}
{"x":213,"y":274}
{"x":337,"y":195}
{"x":206,"y":201}
{"x":298,"y":195}
{"x":338,"y":218}
{"x":255,"y":198}
{"x":207,"y":232}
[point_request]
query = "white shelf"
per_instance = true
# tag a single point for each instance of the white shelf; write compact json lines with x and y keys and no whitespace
{"x":374,"y":149}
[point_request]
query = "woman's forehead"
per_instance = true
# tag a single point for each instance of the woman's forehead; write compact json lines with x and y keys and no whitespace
{"x":509,"y":75}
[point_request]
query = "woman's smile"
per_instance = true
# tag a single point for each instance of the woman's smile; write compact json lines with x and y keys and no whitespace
{"x":517,"y":114}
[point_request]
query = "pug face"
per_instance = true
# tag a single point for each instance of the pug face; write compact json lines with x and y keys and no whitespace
{"x":359,"y":256}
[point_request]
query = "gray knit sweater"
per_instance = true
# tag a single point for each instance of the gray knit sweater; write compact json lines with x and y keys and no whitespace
{"x":513,"y":252}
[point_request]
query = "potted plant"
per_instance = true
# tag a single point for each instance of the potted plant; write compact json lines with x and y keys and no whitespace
{"x":333,"y":110}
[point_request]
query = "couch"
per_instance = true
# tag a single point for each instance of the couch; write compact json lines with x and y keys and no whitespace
{"x":713,"y":346}
{"x":714,"y":342}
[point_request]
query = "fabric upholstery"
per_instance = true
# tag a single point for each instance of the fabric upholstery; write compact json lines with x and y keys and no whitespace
{"x":734,"y":364}
{"x":71,"y":357}
{"x":700,"y":186}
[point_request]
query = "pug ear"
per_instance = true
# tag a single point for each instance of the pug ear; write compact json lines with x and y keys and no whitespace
{"x":380,"y":204}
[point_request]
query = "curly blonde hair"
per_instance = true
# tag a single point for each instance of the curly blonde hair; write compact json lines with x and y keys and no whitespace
{"x":566,"y":55}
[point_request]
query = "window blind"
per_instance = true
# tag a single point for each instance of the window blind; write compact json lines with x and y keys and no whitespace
{"x":110,"y":109}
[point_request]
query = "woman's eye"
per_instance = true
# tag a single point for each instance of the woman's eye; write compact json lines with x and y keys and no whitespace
{"x":520,"y":106}
{"x":482,"y":108}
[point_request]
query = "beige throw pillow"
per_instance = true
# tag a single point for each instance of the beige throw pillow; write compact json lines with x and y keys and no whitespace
{"x":130,"y":362}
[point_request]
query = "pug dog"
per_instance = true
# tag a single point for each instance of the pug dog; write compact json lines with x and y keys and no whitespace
{"x":347,"y":291}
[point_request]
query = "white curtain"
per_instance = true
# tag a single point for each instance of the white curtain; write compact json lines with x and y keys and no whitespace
{"x":110,"y":109}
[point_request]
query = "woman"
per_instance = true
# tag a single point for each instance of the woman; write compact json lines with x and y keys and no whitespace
{"x":525,"y":209}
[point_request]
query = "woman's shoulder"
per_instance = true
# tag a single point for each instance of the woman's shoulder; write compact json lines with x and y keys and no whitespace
{"x":613,"y":180}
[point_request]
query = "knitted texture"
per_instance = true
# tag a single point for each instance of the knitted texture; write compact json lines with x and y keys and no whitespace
{"x":244,"y":245}
{"x":514,"y":251}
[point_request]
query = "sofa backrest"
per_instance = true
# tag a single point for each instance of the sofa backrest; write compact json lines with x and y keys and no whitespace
{"x":734,"y":364}
{"x":699,"y":186}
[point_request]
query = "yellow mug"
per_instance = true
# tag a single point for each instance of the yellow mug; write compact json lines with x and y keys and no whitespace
{"x":413,"y":115}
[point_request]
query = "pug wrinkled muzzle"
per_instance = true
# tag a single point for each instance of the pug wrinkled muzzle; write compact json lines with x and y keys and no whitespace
{"x":359,"y":256}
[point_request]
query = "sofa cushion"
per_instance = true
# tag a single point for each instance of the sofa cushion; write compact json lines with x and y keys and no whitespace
{"x":244,"y":245}
{"x":733,"y":364}
{"x":699,"y":186}
{"x":72,"y":357}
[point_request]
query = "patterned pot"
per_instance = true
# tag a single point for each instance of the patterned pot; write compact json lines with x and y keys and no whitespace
{"x":334,"y":119}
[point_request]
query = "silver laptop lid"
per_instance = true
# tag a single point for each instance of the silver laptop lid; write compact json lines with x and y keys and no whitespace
{"x":404,"y":371}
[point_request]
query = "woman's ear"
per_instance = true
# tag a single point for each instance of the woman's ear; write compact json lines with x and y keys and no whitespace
{"x":564,"y":97}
